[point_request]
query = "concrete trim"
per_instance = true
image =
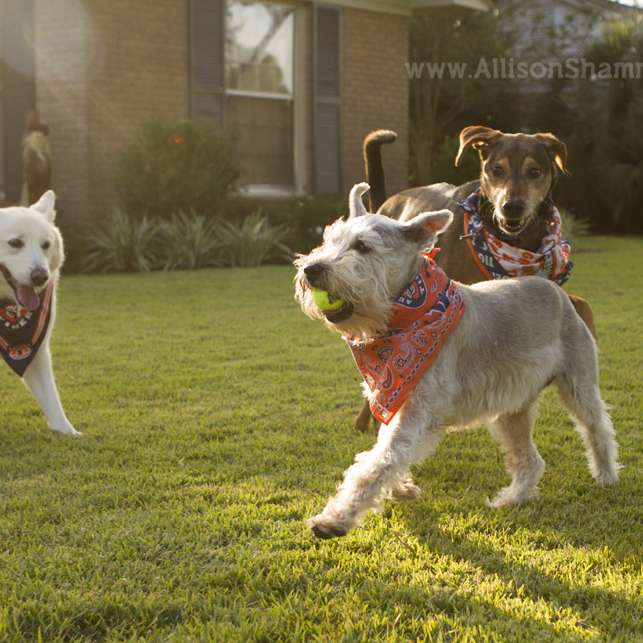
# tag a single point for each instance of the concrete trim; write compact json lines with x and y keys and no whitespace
{"x":408,"y":7}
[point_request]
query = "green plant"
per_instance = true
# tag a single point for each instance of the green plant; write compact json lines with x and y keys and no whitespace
{"x":306,"y":218}
{"x":187,"y":242}
{"x":123,"y":244}
{"x":173,"y":167}
{"x":573,"y":227}
{"x":214,"y":425}
{"x":444,"y":168}
{"x":252,"y":242}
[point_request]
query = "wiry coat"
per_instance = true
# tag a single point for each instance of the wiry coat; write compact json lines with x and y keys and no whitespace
{"x":515,"y":338}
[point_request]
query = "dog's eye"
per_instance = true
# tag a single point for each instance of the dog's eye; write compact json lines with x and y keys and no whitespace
{"x":498,"y":171}
{"x":534,"y":172}
{"x":46,"y":245}
{"x":360,"y":247}
{"x":17,"y":243}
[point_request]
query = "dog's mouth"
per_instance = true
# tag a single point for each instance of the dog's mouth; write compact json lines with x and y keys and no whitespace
{"x":513,"y":228}
{"x":26,"y":296}
{"x":341,"y":315}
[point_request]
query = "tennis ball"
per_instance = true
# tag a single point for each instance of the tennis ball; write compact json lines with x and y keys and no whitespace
{"x":326,"y":302}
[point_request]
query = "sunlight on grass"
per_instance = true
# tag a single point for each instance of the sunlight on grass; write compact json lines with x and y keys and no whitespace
{"x":217,"y":418}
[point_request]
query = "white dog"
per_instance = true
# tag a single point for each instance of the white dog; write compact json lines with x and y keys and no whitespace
{"x":31,"y":255}
{"x":492,"y":348}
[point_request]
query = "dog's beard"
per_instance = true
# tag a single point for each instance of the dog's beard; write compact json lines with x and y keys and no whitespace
{"x":370,"y":313}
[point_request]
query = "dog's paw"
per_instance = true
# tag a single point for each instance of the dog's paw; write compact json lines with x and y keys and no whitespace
{"x":323,"y":528}
{"x":406,"y":490}
{"x":509,"y":497}
{"x":606,"y":478}
{"x":67,"y":429}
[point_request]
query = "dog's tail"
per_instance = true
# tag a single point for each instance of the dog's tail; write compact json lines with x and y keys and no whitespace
{"x":373,"y":166}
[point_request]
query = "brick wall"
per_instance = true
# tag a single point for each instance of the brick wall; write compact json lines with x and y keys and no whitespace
{"x":61,"y":30}
{"x":103,"y":68}
{"x":375,"y":90}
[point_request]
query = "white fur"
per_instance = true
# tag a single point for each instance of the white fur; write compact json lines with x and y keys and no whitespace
{"x":35,"y":227}
{"x":515,"y":337}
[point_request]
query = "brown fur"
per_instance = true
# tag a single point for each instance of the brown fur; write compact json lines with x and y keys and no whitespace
{"x":36,"y":160}
{"x":518,"y":155}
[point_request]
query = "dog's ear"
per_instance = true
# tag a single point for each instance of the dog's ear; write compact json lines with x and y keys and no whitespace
{"x":556,"y":149}
{"x":476,"y":136}
{"x":424,"y":226}
{"x":355,"y":203}
{"x":46,"y":205}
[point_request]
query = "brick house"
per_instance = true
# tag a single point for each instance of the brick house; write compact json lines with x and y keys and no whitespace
{"x":300,"y":82}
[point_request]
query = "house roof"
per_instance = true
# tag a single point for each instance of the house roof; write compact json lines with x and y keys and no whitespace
{"x":408,"y":7}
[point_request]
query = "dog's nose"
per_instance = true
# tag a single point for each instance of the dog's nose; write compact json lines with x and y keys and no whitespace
{"x":514,"y":208}
{"x":39,"y":277}
{"x":313,"y":273}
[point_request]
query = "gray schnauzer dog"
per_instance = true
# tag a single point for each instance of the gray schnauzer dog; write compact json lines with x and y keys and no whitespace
{"x":514,"y":338}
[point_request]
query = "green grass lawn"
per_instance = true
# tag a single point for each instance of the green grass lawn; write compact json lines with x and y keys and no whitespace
{"x":216,"y":418}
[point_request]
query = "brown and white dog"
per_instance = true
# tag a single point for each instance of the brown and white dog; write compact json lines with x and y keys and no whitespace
{"x":517,"y":178}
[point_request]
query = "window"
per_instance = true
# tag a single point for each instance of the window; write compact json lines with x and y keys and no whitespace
{"x":260,"y":92}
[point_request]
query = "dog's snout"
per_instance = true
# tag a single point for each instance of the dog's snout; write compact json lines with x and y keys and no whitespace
{"x":39,"y":277}
{"x":313,"y":273}
{"x":513,"y":208}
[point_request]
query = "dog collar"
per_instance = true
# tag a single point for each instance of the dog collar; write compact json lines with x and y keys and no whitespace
{"x":22,"y":331}
{"x":422,"y":319}
{"x":498,"y":259}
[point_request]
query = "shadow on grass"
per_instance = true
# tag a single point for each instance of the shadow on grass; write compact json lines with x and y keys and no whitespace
{"x":596,"y":607}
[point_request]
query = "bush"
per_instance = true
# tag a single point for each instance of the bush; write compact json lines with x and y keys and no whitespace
{"x":573,"y":227}
{"x":305,"y":217}
{"x":444,"y":169}
{"x":252,"y":242}
{"x":176,"y":167}
{"x":188,"y":242}
{"x":122,"y":245}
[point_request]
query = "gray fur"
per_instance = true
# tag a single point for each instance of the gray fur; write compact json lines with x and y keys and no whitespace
{"x":516,"y":336}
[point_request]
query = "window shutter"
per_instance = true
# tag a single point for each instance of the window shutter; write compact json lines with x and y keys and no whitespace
{"x":327,"y":98}
{"x":17,"y":87}
{"x":207,"y":46}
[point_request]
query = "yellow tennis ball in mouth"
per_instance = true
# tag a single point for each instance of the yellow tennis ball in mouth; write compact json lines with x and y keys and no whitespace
{"x":327,"y":302}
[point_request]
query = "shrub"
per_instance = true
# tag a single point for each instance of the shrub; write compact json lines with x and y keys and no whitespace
{"x":176,"y":167}
{"x":573,"y":227}
{"x":305,"y":217}
{"x":252,"y":242}
{"x":122,"y":245}
{"x":187,"y":242}
{"x":444,"y":169}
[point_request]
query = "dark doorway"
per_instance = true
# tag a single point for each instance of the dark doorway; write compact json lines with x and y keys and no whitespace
{"x":17,"y":90}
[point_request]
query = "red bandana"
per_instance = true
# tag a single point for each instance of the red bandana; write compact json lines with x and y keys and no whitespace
{"x":22,"y":331}
{"x":422,"y":319}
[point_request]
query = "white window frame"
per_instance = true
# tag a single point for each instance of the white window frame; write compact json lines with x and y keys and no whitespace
{"x":300,"y":112}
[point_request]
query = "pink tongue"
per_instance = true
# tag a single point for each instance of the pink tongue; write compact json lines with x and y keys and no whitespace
{"x":27,"y":297}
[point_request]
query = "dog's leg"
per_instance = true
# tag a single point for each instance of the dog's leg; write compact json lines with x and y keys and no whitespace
{"x":514,"y":433}
{"x":39,"y":378}
{"x":364,"y":418}
{"x":377,"y":472}
{"x":584,"y":311}
{"x":594,"y":425}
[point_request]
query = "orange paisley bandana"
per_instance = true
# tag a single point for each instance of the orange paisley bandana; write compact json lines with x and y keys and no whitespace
{"x":422,"y":319}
